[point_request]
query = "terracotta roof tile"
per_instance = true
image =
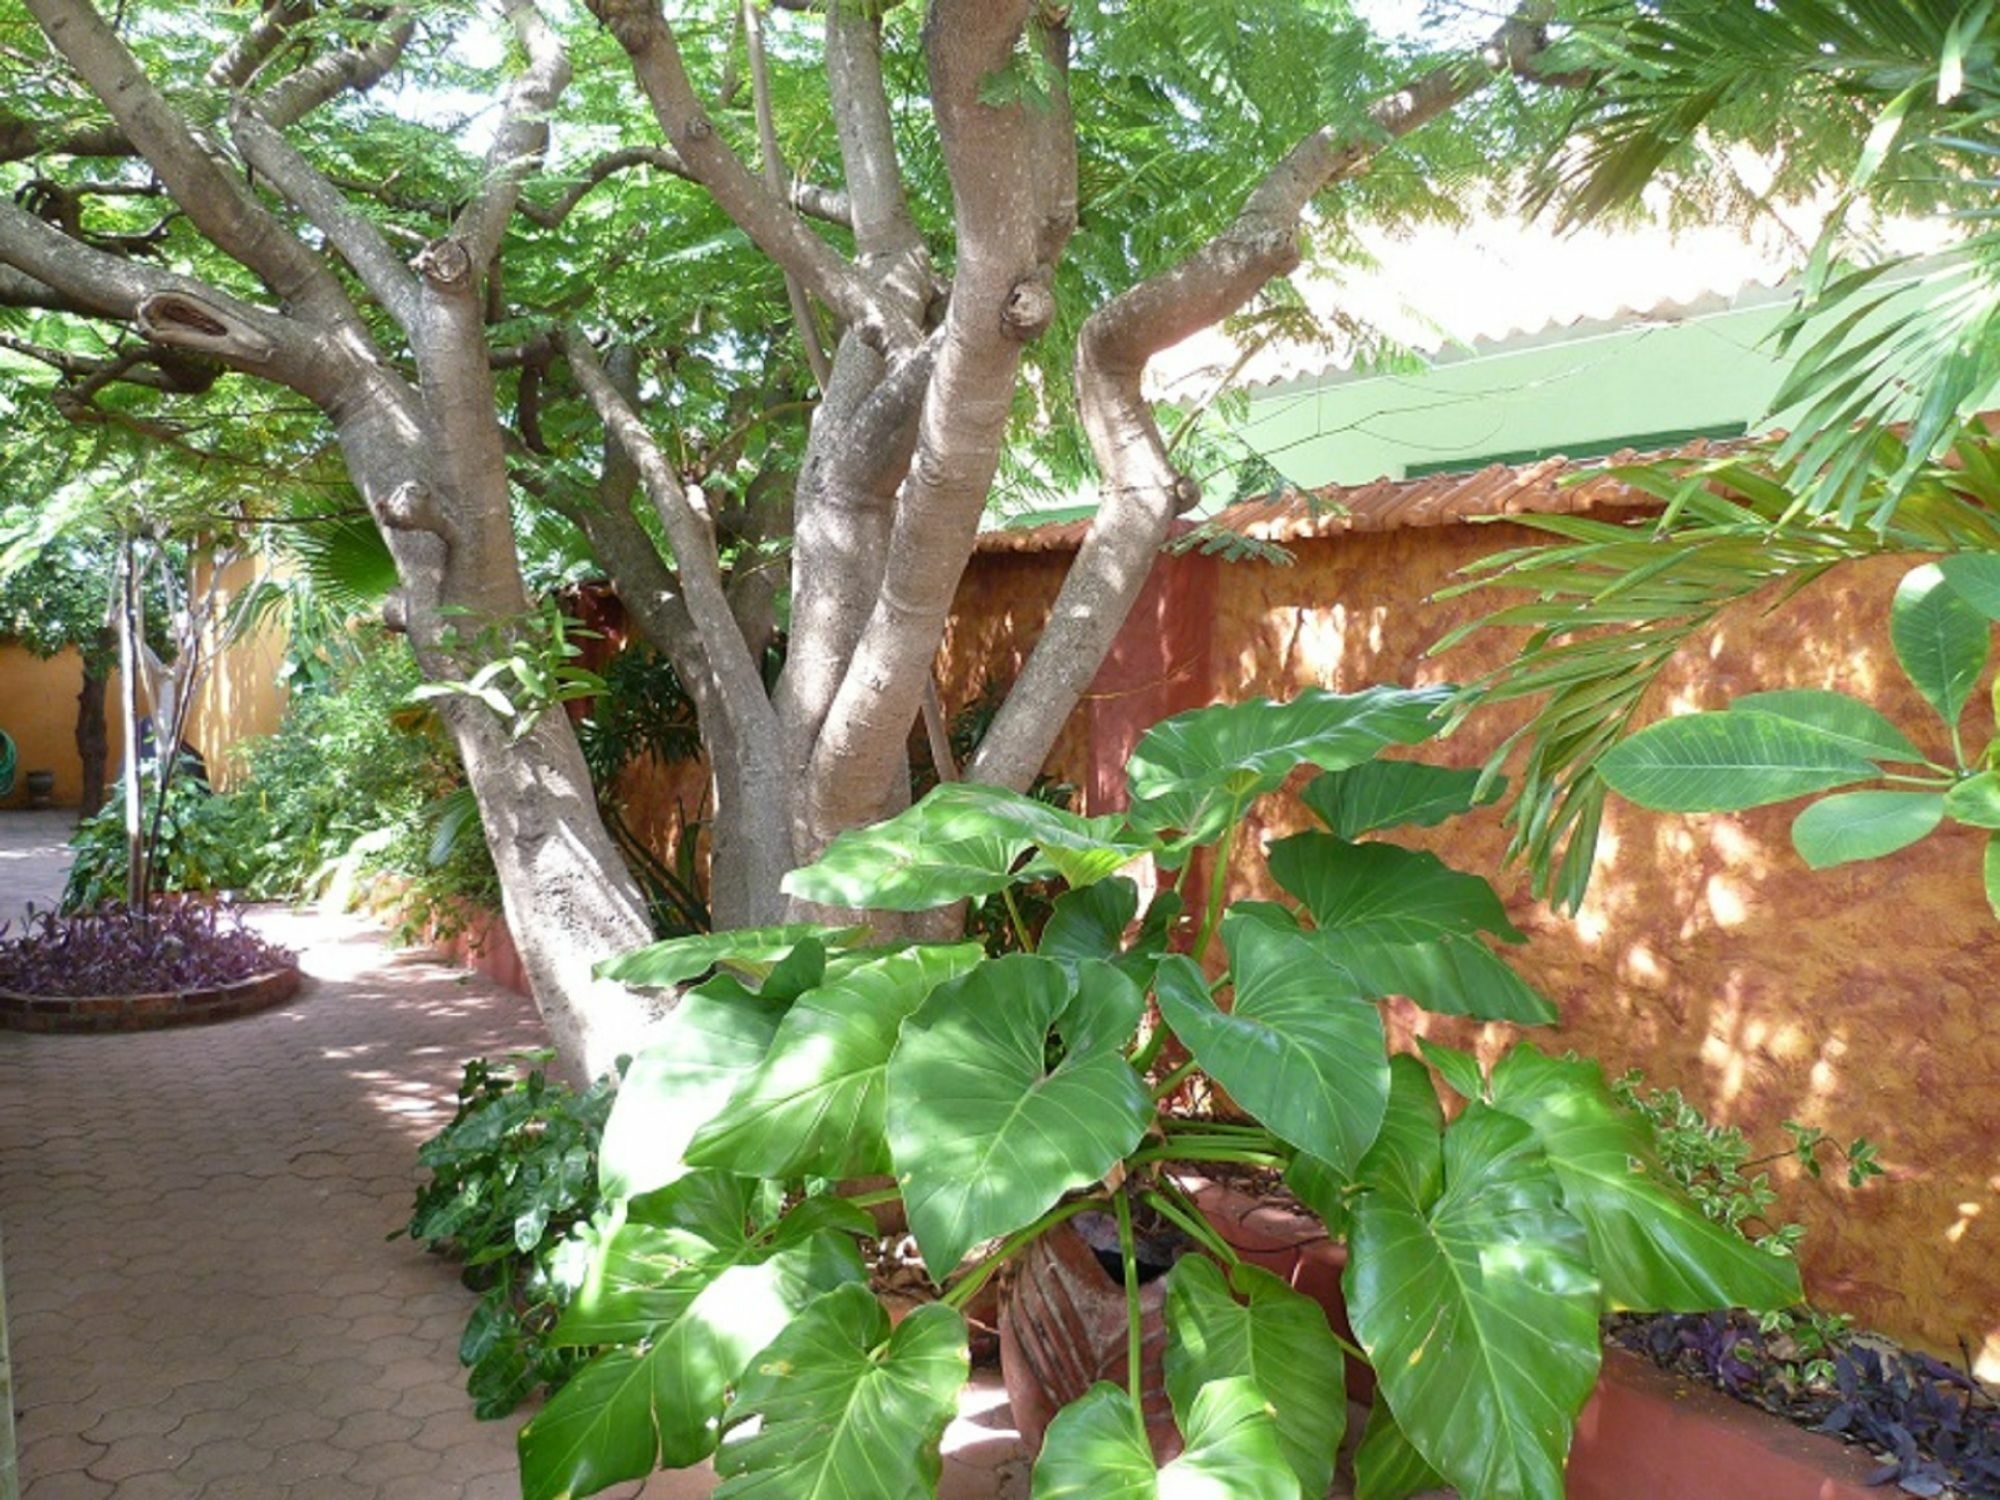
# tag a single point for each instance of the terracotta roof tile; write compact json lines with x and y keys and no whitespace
{"x":1392,"y":504}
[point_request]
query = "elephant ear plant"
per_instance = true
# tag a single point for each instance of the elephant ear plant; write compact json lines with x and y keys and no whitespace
{"x":1006,"y":1095}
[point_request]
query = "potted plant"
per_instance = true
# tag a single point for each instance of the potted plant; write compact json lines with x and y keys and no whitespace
{"x":1010,"y":1095}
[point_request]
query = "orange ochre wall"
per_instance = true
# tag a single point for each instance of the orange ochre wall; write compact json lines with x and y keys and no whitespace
{"x":1706,"y":955}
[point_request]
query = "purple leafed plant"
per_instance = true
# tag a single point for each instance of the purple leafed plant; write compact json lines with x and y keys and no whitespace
{"x":183,"y":945}
{"x":1936,"y":1429}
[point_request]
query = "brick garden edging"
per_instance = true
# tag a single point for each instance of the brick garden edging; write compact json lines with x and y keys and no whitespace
{"x":114,"y":1013}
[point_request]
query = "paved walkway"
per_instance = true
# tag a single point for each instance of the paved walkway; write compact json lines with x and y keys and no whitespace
{"x":34,"y":860}
{"x":201,"y":1298}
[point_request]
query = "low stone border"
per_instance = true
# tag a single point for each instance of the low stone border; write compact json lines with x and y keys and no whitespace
{"x":107,"y":1013}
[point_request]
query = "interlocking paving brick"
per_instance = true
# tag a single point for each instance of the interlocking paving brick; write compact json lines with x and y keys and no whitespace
{"x":202,"y":1301}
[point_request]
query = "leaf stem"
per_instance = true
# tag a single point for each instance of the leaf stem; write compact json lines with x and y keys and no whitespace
{"x":1173,"y":1079}
{"x":1192,"y":1224}
{"x":1194,"y":1151}
{"x":1021,"y":932}
{"x":1019,"y":1240}
{"x":1134,"y":1334}
{"x":1149,"y":1050}
{"x":871,"y":1199}
{"x":1218,"y":887}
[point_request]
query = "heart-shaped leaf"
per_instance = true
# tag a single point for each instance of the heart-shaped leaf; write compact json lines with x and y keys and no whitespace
{"x":1277,"y":1339}
{"x":1095,"y":1449}
{"x":1848,"y":826}
{"x":962,"y":840}
{"x":714,"y":1039}
{"x":1479,"y":1311}
{"x":689,"y":1299}
{"x":1386,"y":1467}
{"x":1196,"y":772}
{"x":813,"y":1105}
{"x":1408,"y":1155}
{"x":1091,"y":923}
{"x":1941,"y":640}
{"x":1449,"y":976}
{"x":846,"y":1407}
{"x":1460,"y":1070}
{"x":748,"y":951}
{"x":1297,"y":1047}
{"x":1393,"y":794}
{"x":1395,"y":894}
{"x":1864,"y":729}
{"x":984,"y":1134}
{"x":1654,"y":1250}
{"x":1724,"y":762}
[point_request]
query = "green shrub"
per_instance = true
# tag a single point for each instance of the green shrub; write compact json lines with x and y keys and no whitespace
{"x":513,"y":1179}
{"x":206,"y":844}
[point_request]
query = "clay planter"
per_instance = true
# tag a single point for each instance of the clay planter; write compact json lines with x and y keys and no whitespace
{"x":1063,"y":1328}
{"x":86,"y":1013}
{"x":1644,"y":1432}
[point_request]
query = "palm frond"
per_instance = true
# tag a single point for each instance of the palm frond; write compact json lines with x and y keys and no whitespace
{"x":1612,"y":604}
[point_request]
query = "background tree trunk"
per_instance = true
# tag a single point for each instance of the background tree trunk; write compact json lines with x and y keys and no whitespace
{"x":93,"y":738}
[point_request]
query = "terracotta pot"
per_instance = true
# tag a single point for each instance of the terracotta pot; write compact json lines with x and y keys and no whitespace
{"x":1063,"y":1328}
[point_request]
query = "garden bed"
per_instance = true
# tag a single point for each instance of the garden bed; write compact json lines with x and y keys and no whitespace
{"x":185,"y":962}
{"x":95,"y":1013}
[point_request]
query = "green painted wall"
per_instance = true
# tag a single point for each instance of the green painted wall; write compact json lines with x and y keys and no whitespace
{"x":1571,"y":395}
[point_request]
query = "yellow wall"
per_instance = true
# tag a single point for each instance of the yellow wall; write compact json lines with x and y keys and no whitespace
{"x":241,"y":696}
{"x":38,"y":711}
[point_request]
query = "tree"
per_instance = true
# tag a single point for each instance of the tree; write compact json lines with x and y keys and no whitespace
{"x":1007,"y":208}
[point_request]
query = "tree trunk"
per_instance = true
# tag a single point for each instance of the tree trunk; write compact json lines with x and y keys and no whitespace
{"x":93,"y":738}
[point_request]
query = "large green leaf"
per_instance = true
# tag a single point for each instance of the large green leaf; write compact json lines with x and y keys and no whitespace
{"x":714,"y":1039}
{"x":1723,"y":762}
{"x":1408,"y":1156}
{"x":1864,"y":729}
{"x":984,"y":1134}
{"x":1276,"y":1338}
{"x":1386,"y":1467}
{"x":1941,"y":640}
{"x":1394,"y":794}
{"x":962,"y":840}
{"x":1975,"y":578}
{"x":1479,"y":1312}
{"x":688,"y":1301}
{"x":1094,"y":1450}
{"x":1653,"y":1248}
{"x":1449,"y":975}
{"x":1847,"y":826}
{"x":1297,"y":1047}
{"x":1196,"y":772}
{"x":749,"y":951}
{"x":1091,"y":923}
{"x":846,"y":1408}
{"x":813,"y":1105}
{"x":1405,"y":923}
{"x":1395,"y":894}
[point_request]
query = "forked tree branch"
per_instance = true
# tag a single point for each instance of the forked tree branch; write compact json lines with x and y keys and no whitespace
{"x":774,"y":174}
{"x":1141,"y":492}
{"x":220,"y":205}
{"x":764,"y":215}
{"x":737,"y":677}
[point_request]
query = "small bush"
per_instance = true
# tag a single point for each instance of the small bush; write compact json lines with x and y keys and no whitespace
{"x":513,"y":1178}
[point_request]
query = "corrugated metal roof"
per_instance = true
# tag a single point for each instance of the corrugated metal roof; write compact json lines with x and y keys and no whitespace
{"x":1392,"y":504}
